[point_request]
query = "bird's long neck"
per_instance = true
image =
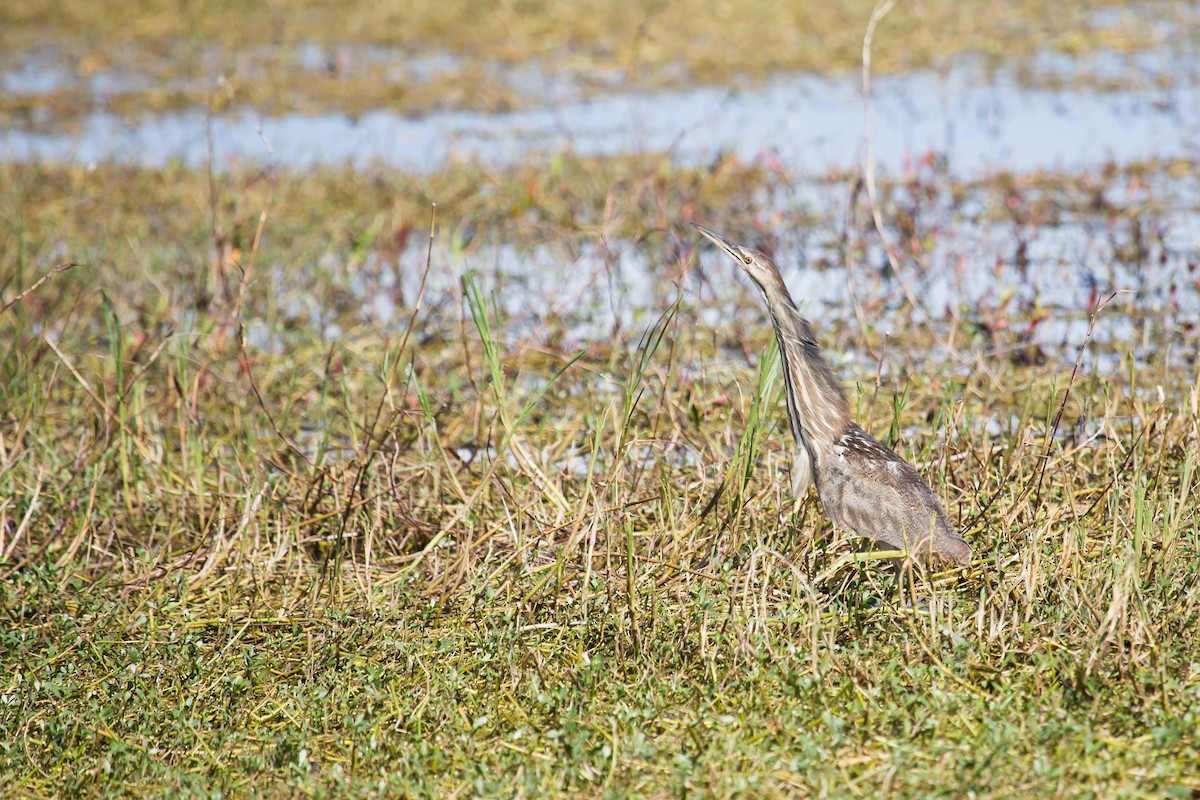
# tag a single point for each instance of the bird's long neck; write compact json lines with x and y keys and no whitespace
{"x":817,"y":407}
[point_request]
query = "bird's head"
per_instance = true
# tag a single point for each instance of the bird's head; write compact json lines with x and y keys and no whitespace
{"x":756,"y":264}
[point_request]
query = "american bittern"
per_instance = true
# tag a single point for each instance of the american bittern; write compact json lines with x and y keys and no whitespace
{"x":865,"y":488}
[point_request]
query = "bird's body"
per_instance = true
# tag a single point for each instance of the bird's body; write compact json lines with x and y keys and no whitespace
{"x":865,"y":488}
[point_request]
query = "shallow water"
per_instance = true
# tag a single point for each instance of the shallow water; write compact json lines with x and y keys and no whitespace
{"x":806,"y":124}
{"x":970,"y":122}
{"x":1071,"y":266}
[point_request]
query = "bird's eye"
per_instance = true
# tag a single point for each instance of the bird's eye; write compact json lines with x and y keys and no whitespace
{"x":747,"y":260}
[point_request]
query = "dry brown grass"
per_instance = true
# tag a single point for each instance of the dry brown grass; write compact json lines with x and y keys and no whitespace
{"x":461,"y":550}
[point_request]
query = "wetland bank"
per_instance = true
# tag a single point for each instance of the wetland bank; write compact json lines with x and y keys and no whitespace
{"x":295,"y":500}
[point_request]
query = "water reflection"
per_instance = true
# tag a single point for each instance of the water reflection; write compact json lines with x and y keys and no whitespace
{"x":805,"y":123}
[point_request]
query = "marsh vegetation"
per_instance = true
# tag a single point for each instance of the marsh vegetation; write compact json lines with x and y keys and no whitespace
{"x":296,"y":499}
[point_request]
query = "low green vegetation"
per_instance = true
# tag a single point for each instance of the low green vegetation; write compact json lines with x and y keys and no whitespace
{"x":258,"y":539}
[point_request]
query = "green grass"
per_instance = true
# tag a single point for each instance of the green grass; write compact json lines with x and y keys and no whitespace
{"x":246,"y":555}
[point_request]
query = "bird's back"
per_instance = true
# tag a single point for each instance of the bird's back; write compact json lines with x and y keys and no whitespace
{"x":868,"y":490}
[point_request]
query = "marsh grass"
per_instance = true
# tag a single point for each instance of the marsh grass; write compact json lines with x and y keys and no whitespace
{"x":358,"y":57}
{"x":431,"y":556}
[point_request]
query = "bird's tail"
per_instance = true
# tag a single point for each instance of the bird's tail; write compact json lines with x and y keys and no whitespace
{"x":947,"y":543}
{"x":952,"y":547}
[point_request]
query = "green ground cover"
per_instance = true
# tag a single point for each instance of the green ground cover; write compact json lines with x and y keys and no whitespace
{"x":458,"y":552}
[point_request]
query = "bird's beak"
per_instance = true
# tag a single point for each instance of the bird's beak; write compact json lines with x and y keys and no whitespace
{"x":720,"y":241}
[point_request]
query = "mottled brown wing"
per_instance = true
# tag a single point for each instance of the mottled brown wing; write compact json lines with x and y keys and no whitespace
{"x":872,"y":460}
{"x":874,"y":492}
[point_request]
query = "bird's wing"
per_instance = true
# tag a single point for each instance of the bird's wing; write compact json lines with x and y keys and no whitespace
{"x":869,"y":458}
{"x":881,"y":496}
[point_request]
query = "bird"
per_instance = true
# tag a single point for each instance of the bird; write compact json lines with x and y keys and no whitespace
{"x":865,"y":488}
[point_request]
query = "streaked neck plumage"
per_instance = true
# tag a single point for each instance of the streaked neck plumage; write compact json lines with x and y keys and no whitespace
{"x":817,"y":406}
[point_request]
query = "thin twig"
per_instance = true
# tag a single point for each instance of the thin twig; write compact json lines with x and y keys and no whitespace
{"x":238,"y":303}
{"x":1124,"y":464}
{"x":878,"y":381}
{"x":1037,"y":494}
{"x":860,"y":315}
{"x":21,"y":296}
{"x":881,"y":10}
{"x":372,"y":446}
